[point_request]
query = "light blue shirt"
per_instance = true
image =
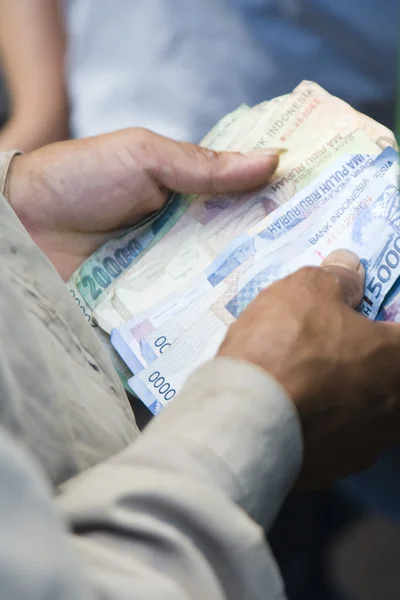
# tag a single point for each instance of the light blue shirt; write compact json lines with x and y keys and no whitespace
{"x":177,"y":66}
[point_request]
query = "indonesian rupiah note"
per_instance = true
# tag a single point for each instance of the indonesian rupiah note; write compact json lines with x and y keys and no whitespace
{"x":143,"y":339}
{"x":164,"y":253}
{"x":368,"y":227}
{"x":95,"y":275}
{"x":210,"y":224}
{"x":115,"y":256}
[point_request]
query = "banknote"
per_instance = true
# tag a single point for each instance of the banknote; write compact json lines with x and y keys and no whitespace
{"x":309,"y":105}
{"x":217,"y":139}
{"x":117,"y":256}
{"x":390,"y":310}
{"x":112,"y":261}
{"x":212,"y":137}
{"x":89,"y":284}
{"x":97,"y":284}
{"x":307,"y":112}
{"x":231,"y":137}
{"x":95,"y":275}
{"x":211,"y":223}
{"x":368,"y":226}
{"x":143,"y":339}
{"x":241,"y":122}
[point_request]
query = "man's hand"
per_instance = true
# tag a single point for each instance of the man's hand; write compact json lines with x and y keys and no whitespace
{"x":341,"y":370}
{"x":73,"y":196}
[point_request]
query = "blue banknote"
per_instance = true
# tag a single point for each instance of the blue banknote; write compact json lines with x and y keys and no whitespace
{"x":369,"y":227}
{"x":144,"y":339}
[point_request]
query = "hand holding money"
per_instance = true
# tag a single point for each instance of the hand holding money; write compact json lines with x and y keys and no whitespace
{"x":167,"y":276}
{"x":340,"y":369}
{"x":73,"y":197}
{"x":196,"y":270}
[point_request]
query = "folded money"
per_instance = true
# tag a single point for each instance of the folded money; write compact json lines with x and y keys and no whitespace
{"x":368,"y":225}
{"x":144,"y":338}
{"x":207,"y":225}
{"x":152,"y":282}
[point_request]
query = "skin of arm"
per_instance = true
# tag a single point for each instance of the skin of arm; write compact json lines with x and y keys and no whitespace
{"x":32,"y":61}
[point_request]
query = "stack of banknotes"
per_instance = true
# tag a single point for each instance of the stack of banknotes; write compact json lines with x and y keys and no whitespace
{"x":162,"y":295}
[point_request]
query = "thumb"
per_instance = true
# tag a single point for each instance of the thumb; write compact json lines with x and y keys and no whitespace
{"x":346,"y":267}
{"x":188,"y":168}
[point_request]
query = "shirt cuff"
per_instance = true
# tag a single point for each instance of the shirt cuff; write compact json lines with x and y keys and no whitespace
{"x":5,"y":162}
{"x":238,"y":423}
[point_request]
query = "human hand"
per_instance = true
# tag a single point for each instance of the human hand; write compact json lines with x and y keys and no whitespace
{"x":74,"y":196}
{"x":340,"y":369}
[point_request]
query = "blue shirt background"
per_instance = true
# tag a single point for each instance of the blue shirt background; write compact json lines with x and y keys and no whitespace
{"x":177,"y":66}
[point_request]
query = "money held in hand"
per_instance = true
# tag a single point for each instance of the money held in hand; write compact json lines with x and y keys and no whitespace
{"x":167,"y":290}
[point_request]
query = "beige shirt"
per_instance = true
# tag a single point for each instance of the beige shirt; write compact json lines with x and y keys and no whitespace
{"x":89,"y":508}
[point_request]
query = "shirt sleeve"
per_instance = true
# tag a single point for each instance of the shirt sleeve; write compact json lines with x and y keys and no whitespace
{"x":181,"y":513}
{"x":170,"y":518}
{"x":5,"y":162}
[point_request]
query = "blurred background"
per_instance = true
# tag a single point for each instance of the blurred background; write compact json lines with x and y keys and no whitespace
{"x":83,"y":67}
{"x":72,"y":68}
{"x":3,"y":103}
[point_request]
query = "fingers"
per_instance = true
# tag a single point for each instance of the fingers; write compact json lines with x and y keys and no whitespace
{"x":349,"y":273}
{"x":188,"y":168}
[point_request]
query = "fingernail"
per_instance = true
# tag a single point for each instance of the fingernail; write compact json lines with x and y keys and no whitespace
{"x":273,"y":152}
{"x":343,"y":258}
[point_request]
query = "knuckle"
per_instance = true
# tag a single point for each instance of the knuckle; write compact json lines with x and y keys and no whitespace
{"x":138,"y":140}
{"x":308,"y":272}
{"x":311,"y":281}
{"x":144,"y":151}
{"x":141,"y":132}
{"x":141,"y":141}
{"x":348,"y":283}
{"x":307,"y":276}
